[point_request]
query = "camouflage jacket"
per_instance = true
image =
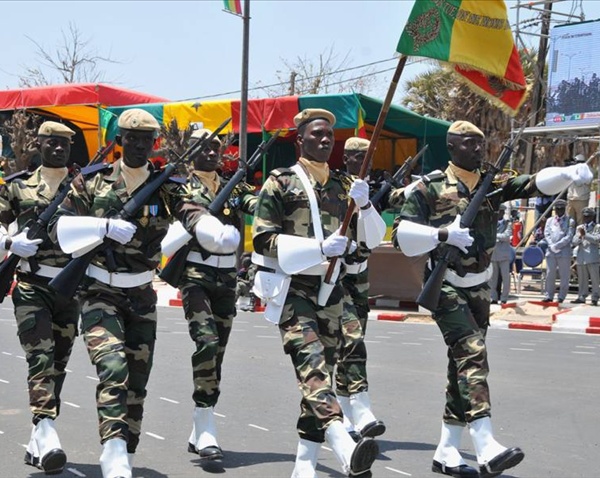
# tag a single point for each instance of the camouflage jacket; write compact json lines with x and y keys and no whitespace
{"x":199,"y":197}
{"x":104,"y":195}
{"x":436,"y":203}
{"x":23,"y":200}
{"x":283,"y":208}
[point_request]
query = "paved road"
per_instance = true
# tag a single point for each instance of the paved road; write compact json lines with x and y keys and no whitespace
{"x":545,"y":391}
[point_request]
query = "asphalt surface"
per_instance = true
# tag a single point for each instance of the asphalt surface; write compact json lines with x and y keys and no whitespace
{"x":545,"y":391}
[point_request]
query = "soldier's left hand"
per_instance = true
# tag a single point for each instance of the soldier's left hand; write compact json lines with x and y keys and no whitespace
{"x":359,"y":191}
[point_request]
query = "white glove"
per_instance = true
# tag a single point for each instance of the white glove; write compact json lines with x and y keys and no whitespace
{"x":120,"y":230}
{"x":23,"y":247}
{"x":554,"y":248}
{"x":335,"y":245}
{"x":216,"y":237}
{"x":458,"y":236}
{"x":579,"y":173}
{"x":359,"y":191}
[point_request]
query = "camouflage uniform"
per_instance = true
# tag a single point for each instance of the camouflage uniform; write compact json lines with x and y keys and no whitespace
{"x":463,"y":313}
{"x":310,"y":333}
{"x":46,"y":324}
{"x":119,"y":324}
{"x":208,"y":292}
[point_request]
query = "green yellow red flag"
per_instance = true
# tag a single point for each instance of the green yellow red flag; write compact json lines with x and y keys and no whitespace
{"x":233,"y":6}
{"x":474,"y":36}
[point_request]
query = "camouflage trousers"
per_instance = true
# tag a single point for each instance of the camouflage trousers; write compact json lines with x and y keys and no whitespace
{"x":208,"y":296}
{"x":351,"y":371}
{"x":47,"y":327}
{"x":311,"y":335}
{"x":463,"y":318}
{"x":119,"y":329}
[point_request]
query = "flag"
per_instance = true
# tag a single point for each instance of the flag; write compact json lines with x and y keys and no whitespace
{"x":233,"y":6}
{"x":108,"y":125}
{"x":474,"y":37}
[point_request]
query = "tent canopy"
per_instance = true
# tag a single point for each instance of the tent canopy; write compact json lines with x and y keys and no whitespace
{"x":74,"y":103}
{"x":403,"y":134}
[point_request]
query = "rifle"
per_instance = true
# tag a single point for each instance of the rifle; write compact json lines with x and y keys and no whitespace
{"x":395,"y":180}
{"x":38,"y":230}
{"x":430,"y":295}
{"x":173,"y":270}
{"x":66,"y":282}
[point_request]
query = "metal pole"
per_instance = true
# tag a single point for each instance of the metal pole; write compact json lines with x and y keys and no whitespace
{"x":243,"y":138}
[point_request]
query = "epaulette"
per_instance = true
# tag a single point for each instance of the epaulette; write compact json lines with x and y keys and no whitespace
{"x":280,"y":172}
{"x":88,"y":171}
{"x":24,"y":174}
{"x":433,"y":176}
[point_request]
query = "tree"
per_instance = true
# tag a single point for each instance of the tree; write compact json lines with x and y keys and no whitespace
{"x":21,"y":128}
{"x":73,"y":61}
{"x":330,"y":73}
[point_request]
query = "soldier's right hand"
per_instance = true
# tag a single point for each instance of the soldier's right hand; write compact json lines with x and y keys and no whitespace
{"x":230,"y":239}
{"x":120,"y":230}
{"x":335,"y":245}
{"x":24,"y":247}
{"x":459,"y":236}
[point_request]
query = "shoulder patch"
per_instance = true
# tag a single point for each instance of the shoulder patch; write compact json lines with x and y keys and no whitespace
{"x":433,"y":176}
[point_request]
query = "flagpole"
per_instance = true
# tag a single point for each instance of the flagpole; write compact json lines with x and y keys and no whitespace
{"x":243,"y":138}
{"x":370,"y":152}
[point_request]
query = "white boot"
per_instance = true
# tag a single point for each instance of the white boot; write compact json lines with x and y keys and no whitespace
{"x":363,"y":417}
{"x":306,"y":459}
{"x":347,"y":411}
{"x":355,"y":458}
{"x":114,"y":460}
{"x":130,"y":457}
{"x":486,"y":447}
{"x":44,"y":449}
{"x":204,"y":434}
{"x":447,"y":452}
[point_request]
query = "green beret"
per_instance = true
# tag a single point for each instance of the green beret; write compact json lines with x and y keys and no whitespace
{"x":356,"y":144}
{"x":198,"y":133}
{"x":560,"y":203}
{"x":464,"y":128}
{"x":52,"y":128}
{"x":138,"y":120}
{"x":311,"y":114}
{"x":588,"y":211}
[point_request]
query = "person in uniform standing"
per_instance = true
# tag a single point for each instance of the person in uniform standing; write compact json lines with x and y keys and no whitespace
{"x":501,"y":258}
{"x":118,"y":302}
{"x":558,"y":232}
{"x":296,"y":232}
{"x":46,"y":324}
{"x":586,"y":240}
{"x":208,"y":284}
{"x":430,"y":217}
{"x":351,"y":372}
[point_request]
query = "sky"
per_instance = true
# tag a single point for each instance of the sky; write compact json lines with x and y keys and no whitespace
{"x":182,"y":50}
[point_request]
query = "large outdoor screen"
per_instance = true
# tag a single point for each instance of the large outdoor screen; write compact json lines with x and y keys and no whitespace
{"x":574,"y":75}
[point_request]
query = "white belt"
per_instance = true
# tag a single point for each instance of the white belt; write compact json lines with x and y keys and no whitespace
{"x":221,"y":262}
{"x":470,"y":279}
{"x":271,"y":263}
{"x":356,"y":268}
{"x":44,"y":271}
{"x":123,"y":280}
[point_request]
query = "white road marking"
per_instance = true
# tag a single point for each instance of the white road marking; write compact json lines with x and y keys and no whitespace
{"x":256,"y":426}
{"x":522,"y":350}
{"x":71,"y":404}
{"x":583,"y":353}
{"x":398,"y":471}
{"x":1,"y":432}
{"x":68,"y":370}
{"x":20,"y":357}
{"x":266,"y":337}
{"x":585,"y":347}
{"x":4,"y":381}
{"x":260,"y":326}
{"x":527,"y":343}
{"x":427,"y":338}
{"x":219,"y":415}
{"x":6,"y":353}
{"x":175,"y":332}
{"x":372,"y":342}
{"x":76,"y":472}
{"x":411,"y":343}
{"x":169,"y":400}
{"x":382,"y":337}
{"x":92,"y":378}
{"x":154,"y":435}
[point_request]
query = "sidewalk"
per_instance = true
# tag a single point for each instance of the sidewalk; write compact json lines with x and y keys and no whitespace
{"x":523,"y":312}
